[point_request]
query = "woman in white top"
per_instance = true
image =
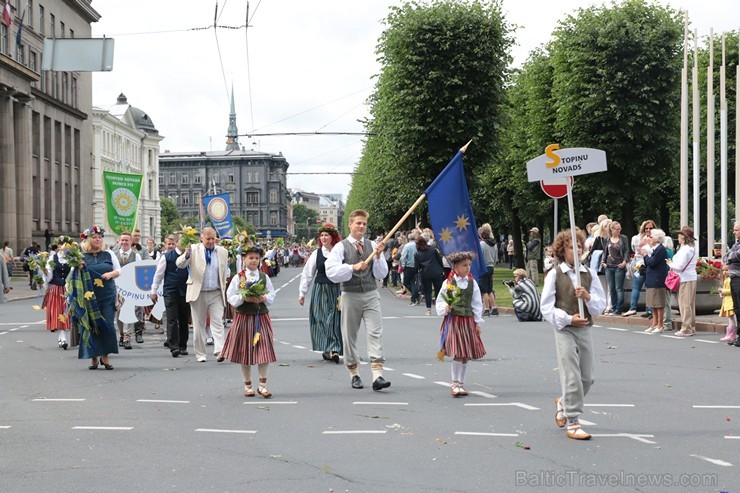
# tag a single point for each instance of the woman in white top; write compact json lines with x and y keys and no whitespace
{"x":324,"y":317}
{"x":684,"y":264}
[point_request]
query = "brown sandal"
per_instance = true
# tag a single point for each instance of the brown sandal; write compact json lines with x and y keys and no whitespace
{"x":262,"y":390}
{"x":248,"y":390}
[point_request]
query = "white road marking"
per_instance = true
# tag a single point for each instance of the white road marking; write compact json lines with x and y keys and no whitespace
{"x":732,"y":437}
{"x":597,"y":326}
{"x":271,"y":402}
{"x":716,"y":407}
{"x":444,"y":384}
{"x":413,"y":375}
{"x":517,"y":404}
{"x":390,"y":318}
{"x":212,"y":430}
{"x":586,"y":422}
{"x":23,"y":326}
{"x":6,"y":427}
{"x":285,"y":343}
{"x":633,"y":436}
{"x":32,"y":323}
{"x":162,"y":401}
{"x":13,"y":330}
{"x":299,"y":347}
{"x":609,"y":405}
{"x":616,"y":328}
{"x":104,"y":428}
{"x":3,"y":333}
{"x":388,"y":369}
{"x":718,"y":462}
{"x":418,"y":316}
{"x":367,"y":403}
{"x":355,"y":432}
{"x":481,"y":434}
{"x":483,"y":394}
{"x":42,"y":399}
{"x":303,"y":319}
{"x":708,"y":342}
{"x":672,"y":337}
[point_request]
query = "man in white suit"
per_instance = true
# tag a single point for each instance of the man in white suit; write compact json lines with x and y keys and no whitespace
{"x":206,"y":292}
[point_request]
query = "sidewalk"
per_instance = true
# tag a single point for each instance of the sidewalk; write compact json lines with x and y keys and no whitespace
{"x":20,"y":290}
{"x":704,"y":323}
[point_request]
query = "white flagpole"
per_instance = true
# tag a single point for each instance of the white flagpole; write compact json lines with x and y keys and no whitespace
{"x":555,"y":219}
{"x":737,"y":143}
{"x":684,"y":185}
{"x":723,"y":147}
{"x":710,"y":144}
{"x":574,"y":241}
{"x":695,"y":133}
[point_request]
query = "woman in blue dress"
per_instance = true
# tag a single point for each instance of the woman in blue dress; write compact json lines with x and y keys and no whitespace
{"x":102,"y":265}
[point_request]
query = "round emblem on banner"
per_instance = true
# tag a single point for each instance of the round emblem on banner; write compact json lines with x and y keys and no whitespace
{"x":217,"y":209}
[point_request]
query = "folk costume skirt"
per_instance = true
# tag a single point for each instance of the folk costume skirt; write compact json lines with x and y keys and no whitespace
{"x":325,"y":318}
{"x":55,"y":304}
{"x":238,"y":347}
{"x":463,"y":340}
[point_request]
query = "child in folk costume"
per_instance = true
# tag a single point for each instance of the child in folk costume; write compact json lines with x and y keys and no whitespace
{"x":249,"y":341}
{"x":727,"y":309}
{"x":559,"y":307}
{"x":55,"y":302}
{"x":461,"y":302}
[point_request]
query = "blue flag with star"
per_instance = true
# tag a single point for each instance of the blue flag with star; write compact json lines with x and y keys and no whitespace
{"x":451,"y":214}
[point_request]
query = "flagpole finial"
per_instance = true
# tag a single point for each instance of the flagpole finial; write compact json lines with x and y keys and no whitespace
{"x":465,"y":147}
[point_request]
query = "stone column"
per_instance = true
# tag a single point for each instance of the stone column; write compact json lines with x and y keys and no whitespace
{"x":8,"y":203}
{"x":23,"y":171}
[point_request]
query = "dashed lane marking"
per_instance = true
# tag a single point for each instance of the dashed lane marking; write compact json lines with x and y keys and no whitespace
{"x":104,"y":428}
{"x":284,"y":343}
{"x":213,"y":430}
{"x":444,"y":384}
{"x":483,"y":394}
{"x":672,"y":337}
{"x":46,"y":399}
{"x":502,"y":404}
{"x":6,"y":427}
{"x":718,"y":462}
{"x":162,"y":401}
{"x":708,"y":342}
{"x":715,"y":407}
{"x":413,"y":375}
{"x":617,"y":329}
{"x":281,"y":287}
{"x":586,"y":422}
{"x":485,"y":434}
{"x":388,"y":369}
{"x":728,"y":437}
{"x":368,"y":403}
{"x":609,"y":405}
{"x":13,"y":330}
{"x":299,"y":347}
{"x":23,"y":326}
{"x":597,"y":326}
{"x":3,"y":333}
{"x":633,"y":436}
{"x":303,"y":319}
{"x":354,"y":432}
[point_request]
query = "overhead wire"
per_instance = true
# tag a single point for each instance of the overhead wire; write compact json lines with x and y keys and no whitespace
{"x":218,"y":48}
{"x":249,"y":71}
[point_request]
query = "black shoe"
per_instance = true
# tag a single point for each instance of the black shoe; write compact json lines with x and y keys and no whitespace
{"x":335,"y":357}
{"x":380,"y":384}
{"x":94,"y":366}
{"x":325,"y":355}
{"x":64,"y":345}
{"x":107,"y":365}
{"x":647,"y":315}
{"x":737,"y":342}
{"x":166,"y":344}
{"x":357,"y":382}
{"x":139,"y":338}
{"x":494,"y":312}
{"x":175,"y":353}
{"x":184,"y":352}
{"x":120,"y":342}
{"x":126,"y":344}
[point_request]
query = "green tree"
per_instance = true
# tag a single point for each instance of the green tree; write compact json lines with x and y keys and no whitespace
{"x":305,"y":220}
{"x":170,"y":216}
{"x":444,"y":66}
{"x":616,"y":74}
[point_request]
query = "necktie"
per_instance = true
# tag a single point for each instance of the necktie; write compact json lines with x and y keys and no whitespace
{"x":359,"y":248}
{"x":209,"y":251}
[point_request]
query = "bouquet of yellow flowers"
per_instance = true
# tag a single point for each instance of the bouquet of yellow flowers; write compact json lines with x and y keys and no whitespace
{"x":451,"y":294}
{"x":73,"y":254}
{"x":188,"y":235}
{"x":254,"y":288}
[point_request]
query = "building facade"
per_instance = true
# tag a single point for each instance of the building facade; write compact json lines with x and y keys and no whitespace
{"x":331,"y":209}
{"x":45,"y":126}
{"x":126,"y":141}
{"x":255,"y":182}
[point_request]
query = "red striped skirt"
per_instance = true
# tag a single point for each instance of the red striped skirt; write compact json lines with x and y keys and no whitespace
{"x":55,"y":304}
{"x":238,"y":347}
{"x":462,"y":341}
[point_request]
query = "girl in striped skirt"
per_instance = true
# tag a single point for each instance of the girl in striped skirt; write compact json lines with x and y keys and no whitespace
{"x":324,"y":317}
{"x":461,"y":304}
{"x":55,"y":301}
{"x":249,"y":341}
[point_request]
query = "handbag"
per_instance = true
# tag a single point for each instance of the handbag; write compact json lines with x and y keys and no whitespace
{"x":673,"y":280}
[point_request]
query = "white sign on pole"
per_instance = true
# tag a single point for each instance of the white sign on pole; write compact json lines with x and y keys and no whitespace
{"x":559,"y":163}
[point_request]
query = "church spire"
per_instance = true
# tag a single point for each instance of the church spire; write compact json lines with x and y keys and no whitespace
{"x":232,"y":134}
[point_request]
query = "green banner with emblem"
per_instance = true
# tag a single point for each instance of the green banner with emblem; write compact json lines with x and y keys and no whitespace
{"x":121,"y":200}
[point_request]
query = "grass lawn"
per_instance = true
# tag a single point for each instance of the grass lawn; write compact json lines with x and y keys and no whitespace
{"x":503,"y":273}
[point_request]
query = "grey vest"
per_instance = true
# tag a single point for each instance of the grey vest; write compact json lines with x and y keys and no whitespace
{"x":364,"y":281}
{"x":565,"y":293}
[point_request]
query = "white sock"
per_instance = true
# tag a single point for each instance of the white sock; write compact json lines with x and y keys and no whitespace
{"x":62,"y":336}
{"x":247,"y":373}
{"x":463,"y":372}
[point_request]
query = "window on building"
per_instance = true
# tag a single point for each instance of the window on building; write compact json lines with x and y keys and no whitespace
{"x":273,"y":196}
{"x":32,"y":60}
{"x":29,"y":13}
{"x":65,"y":86}
{"x":273,"y":219}
{"x":74,"y":92}
{"x":256,"y":177}
{"x":42,"y":21}
{"x":52,"y":26}
{"x":197,"y":178}
{"x":71,"y":33}
{"x":230,"y":177}
{"x":196,"y":198}
{"x":184,"y":179}
{"x":61,"y":29}
{"x":54,"y":84}
{"x":173,"y":179}
{"x":253,"y":197}
{"x":19,"y":50}
{"x":216,"y":178}
{"x":3,"y":39}
{"x":185,"y":199}
{"x":161,"y":178}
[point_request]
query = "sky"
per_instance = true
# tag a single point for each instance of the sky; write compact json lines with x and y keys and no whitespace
{"x":300,"y":66}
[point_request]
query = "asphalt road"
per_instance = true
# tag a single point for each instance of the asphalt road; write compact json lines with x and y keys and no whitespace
{"x":664,"y":412}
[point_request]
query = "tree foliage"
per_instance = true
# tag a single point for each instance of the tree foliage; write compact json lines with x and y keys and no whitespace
{"x":305,"y":220}
{"x":444,"y":66}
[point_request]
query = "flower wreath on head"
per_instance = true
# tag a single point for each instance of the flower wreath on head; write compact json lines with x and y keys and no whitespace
{"x":246,"y":249}
{"x":62,"y":240}
{"x":328,"y":229}
{"x":92,"y":231}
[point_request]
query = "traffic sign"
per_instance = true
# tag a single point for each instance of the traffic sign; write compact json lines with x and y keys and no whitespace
{"x":556,"y":188}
